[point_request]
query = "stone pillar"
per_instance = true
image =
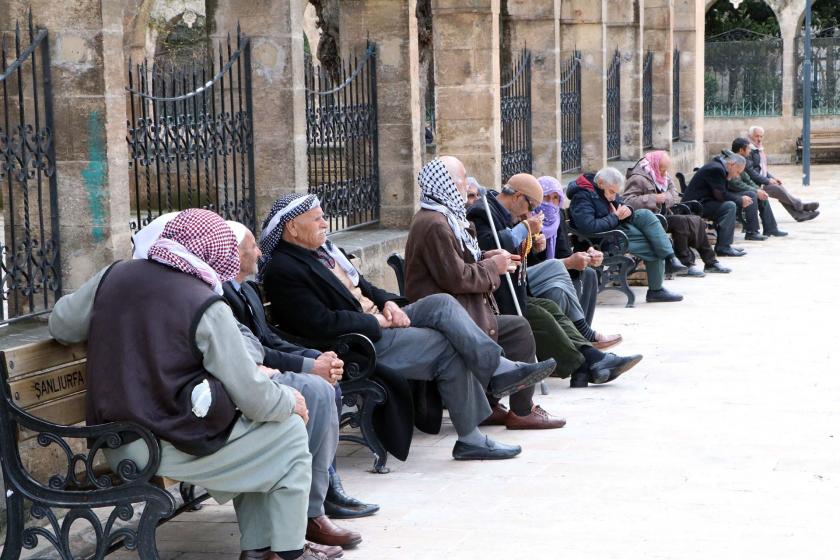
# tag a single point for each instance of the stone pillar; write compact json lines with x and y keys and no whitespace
{"x":467,"y":97}
{"x":659,"y":39}
{"x":275,"y":28}
{"x":392,"y":25}
{"x":689,"y":33}
{"x":789,"y":22}
{"x":583,"y":27}
{"x":89,"y":131}
{"x":624,"y":32}
{"x":537,"y":24}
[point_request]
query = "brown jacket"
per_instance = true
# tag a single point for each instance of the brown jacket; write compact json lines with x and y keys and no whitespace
{"x":436,"y":262}
{"x":640,"y":191}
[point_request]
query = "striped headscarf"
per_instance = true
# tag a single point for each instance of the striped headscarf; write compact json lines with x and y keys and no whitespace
{"x":285,"y":209}
{"x":199,"y":242}
{"x":438,"y":193}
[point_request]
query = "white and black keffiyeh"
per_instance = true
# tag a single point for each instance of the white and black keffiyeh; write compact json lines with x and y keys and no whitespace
{"x":284,"y":210}
{"x":438,"y":193}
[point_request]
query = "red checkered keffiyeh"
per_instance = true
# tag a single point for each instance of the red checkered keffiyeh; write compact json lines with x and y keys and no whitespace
{"x":200,"y":243}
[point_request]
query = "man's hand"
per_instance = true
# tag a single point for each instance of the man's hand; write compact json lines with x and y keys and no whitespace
{"x":395,"y":315}
{"x":329,"y":367}
{"x":746,"y":201}
{"x":774,"y":181}
{"x":762,"y":195}
{"x":492,"y":253}
{"x":539,"y":243}
{"x":267,"y":370}
{"x":623,"y":212}
{"x":535,"y":223}
{"x":502,"y":260}
{"x":300,"y":406}
{"x":577,"y":261}
{"x":596,"y":255}
{"x":661,"y":197}
{"x":383,"y":322}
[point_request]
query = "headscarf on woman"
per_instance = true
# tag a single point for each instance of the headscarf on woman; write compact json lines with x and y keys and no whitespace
{"x":199,"y":243}
{"x":551,"y":224}
{"x":439,"y":193}
{"x":650,"y":163}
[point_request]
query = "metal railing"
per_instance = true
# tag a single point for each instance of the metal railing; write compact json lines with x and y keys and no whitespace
{"x":30,"y":263}
{"x":343,"y":141}
{"x":570,"y":115}
{"x":614,"y":107}
{"x":675,"y":97}
{"x":647,"y":101}
{"x":190,"y":137}
{"x":517,"y":154}
{"x":825,"y":72}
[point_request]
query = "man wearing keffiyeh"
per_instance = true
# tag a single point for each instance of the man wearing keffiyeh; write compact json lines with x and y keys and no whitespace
{"x":317,"y":293}
{"x":180,"y":368}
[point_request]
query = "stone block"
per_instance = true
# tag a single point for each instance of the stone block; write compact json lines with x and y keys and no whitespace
{"x":74,"y":119}
{"x":464,"y":104}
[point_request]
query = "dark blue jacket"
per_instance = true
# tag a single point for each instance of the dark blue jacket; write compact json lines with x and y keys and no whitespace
{"x":710,"y":184}
{"x":589,"y":210}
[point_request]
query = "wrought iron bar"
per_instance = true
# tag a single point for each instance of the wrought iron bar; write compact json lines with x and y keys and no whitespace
{"x":647,"y":101}
{"x":825,"y":72}
{"x":517,"y":151}
{"x":614,"y":107}
{"x":179,"y":116}
{"x":675,"y":110}
{"x":30,"y":263}
{"x":570,"y":115}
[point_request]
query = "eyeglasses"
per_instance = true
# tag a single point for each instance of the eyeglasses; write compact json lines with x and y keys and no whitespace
{"x":531,"y":204}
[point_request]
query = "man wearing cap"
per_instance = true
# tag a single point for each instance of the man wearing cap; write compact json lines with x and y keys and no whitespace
{"x":430,"y":340}
{"x":182,"y":371}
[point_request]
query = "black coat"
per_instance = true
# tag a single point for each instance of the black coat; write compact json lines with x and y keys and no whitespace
{"x":754,"y":168}
{"x":279,"y":354}
{"x":308,"y":300}
{"x":589,"y":210}
{"x":710,"y":183}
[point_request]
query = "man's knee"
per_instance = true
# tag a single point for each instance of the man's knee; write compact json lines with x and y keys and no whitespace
{"x":320,"y":397}
{"x":438,"y":300}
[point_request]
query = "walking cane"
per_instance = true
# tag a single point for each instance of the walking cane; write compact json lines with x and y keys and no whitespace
{"x":483,"y":192}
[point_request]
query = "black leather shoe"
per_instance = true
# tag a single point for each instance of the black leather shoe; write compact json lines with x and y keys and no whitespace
{"x":674,"y":266}
{"x":776,"y":233}
{"x":466,"y":452}
{"x":754,"y":236}
{"x":716,"y":267}
{"x":335,"y":511}
{"x":807,"y":216}
{"x":520,"y":378}
{"x":611,"y":367}
{"x":810,"y":206}
{"x":662,"y":296}
{"x":729,"y":252}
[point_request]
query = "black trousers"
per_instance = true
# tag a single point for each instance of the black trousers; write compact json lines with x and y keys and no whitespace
{"x":690,"y":232}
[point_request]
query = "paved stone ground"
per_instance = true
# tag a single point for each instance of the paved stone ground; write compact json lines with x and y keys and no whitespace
{"x":722,"y":443}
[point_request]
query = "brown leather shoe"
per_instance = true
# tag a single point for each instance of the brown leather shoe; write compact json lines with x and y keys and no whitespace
{"x":497,"y":417}
{"x":539,"y":419}
{"x":328,"y":551}
{"x":604,"y":341}
{"x":322,"y":530}
{"x":258,"y":555}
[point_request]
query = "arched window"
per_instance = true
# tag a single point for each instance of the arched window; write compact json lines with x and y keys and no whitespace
{"x":825,"y":59}
{"x":743,"y":68}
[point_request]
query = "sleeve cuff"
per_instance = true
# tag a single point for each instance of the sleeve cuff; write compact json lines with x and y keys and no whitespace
{"x":308,"y":365}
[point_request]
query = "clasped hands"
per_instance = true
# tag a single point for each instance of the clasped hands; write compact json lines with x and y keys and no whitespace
{"x":392,"y":317}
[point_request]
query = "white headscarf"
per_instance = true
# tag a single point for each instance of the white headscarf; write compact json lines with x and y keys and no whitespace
{"x":146,"y":237}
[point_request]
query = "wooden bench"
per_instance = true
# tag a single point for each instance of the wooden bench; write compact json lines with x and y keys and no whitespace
{"x":43,"y":399}
{"x":822,"y":142}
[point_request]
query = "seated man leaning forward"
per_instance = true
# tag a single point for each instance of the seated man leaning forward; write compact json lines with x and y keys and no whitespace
{"x":596,"y":207}
{"x":431,"y":339}
{"x":223,"y":424}
{"x":744,"y":184}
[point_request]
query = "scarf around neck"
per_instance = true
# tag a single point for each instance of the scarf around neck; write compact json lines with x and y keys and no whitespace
{"x":650,"y":163}
{"x":551,"y":224}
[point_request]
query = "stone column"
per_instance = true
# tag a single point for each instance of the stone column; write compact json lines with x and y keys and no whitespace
{"x":659,"y":39}
{"x":467,"y":97}
{"x":537,"y":24}
{"x":89,"y":131}
{"x":789,"y":22}
{"x":624,"y":33}
{"x":583,"y":27}
{"x":392,"y":25}
{"x":689,"y":33}
{"x":275,"y":28}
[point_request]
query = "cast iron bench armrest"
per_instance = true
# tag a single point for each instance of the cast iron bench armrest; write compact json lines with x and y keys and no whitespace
{"x":612,"y":243}
{"x":355,"y":349}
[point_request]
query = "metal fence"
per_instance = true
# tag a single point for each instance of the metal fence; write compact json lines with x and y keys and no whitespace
{"x":675,"y":96}
{"x":30,"y":264}
{"x":343,"y":140}
{"x":614,"y":107}
{"x":517,"y":153}
{"x":570,"y":111}
{"x":743,"y":74}
{"x":825,"y":72}
{"x":647,"y":101}
{"x":190,"y":137}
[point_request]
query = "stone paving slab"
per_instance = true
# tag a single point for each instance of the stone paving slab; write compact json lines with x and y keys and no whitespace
{"x":723,"y":443}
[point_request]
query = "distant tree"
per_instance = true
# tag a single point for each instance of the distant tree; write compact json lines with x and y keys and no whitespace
{"x":754,"y":15}
{"x":825,"y":14}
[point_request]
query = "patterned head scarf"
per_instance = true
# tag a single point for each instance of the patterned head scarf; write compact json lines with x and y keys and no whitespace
{"x":146,"y":237}
{"x":199,"y":242}
{"x":551,"y":224}
{"x":285,"y":209}
{"x":650,"y":163}
{"x":438,"y":193}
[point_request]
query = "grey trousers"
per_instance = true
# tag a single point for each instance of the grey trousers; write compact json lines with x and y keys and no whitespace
{"x":445,"y":345}
{"x":265,"y":468}
{"x":551,"y":280}
{"x":322,"y":430}
{"x":790,"y":203}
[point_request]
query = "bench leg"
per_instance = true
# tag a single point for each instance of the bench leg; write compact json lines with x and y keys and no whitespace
{"x":152,"y":516}
{"x":366,"y":398}
{"x":14,"y":525}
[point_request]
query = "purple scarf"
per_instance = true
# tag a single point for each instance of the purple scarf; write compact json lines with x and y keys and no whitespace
{"x":551,"y":212}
